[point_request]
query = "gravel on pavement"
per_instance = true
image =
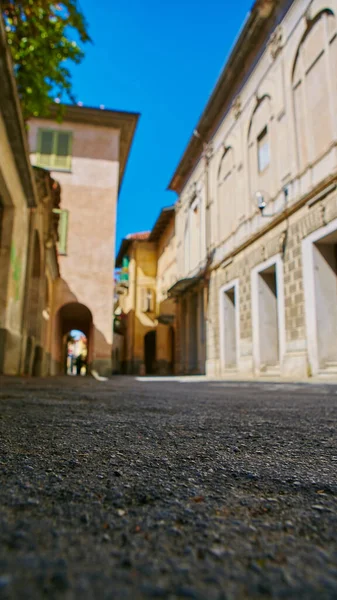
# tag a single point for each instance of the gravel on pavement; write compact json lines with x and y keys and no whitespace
{"x":131,"y":489}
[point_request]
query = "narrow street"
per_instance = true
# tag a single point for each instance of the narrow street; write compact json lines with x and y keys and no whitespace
{"x":139,"y":489}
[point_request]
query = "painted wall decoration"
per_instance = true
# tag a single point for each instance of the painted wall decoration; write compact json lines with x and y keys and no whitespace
{"x":16,"y":272}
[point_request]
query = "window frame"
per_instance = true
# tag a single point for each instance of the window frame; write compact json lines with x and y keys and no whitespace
{"x":263,"y":135}
{"x":52,"y":166}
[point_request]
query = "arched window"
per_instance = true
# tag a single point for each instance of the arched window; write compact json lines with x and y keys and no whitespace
{"x":260,"y":146}
{"x":226,"y":195}
{"x":314,"y":95}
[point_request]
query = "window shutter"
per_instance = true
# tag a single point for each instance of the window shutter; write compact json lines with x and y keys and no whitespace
{"x":62,"y":150}
{"x":45,"y":148}
{"x":54,"y":149}
{"x":62,"y":230}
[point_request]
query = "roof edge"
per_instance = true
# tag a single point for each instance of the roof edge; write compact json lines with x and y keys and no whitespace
{"x":123,"y":121}
{"x":262,"y":12}
{"x":13,"y":119}
{"x":161,"y":223}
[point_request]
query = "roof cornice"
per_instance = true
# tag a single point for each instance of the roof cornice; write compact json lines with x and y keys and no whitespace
{"x":161,"y":223}
{"x":12,"y":115}
{"x":252,"y":37}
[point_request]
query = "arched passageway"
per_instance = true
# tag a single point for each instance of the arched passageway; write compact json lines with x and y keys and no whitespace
{"x":75,"y":317}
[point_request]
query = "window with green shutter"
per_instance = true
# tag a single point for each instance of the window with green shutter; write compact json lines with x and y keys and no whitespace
{"x":54,"y":149}
{"x":62,"y":230}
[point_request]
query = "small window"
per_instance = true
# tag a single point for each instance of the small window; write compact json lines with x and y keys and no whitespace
{"x":54,"y":149}
{"x":124,"y":275}
{"x":263,"y":150}
{"x":62,"y":230}
{"x":148,"y":300}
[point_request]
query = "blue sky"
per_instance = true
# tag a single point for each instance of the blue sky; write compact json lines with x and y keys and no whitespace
{"x":161,"y":59}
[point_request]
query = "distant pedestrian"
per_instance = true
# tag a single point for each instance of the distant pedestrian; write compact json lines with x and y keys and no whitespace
{"x":79,"y":364}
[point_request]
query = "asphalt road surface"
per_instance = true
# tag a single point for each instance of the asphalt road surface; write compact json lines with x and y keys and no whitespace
{"x":134,"y":489}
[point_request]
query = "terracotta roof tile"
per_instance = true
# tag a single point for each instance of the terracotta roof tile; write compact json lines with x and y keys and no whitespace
{"x":142,"y":235}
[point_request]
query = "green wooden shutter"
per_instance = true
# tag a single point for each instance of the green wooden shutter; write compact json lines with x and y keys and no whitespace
{"x":45,"y":148}
{"x":54,"y":149}
{"x":62,"y":150}
{"x":62,"y":229}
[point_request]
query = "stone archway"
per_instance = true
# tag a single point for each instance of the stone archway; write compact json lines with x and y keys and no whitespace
{"x":74,"y":316}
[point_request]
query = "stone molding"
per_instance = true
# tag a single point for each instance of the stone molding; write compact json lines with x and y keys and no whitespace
{"x":276,"y":42}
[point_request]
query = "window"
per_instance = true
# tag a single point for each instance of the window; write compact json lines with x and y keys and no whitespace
{"x":263,"y":150}
{"x":314,"y":76}
{"x":147,"y":300}
{"x":54,"y":149}
{"x":124,"y":275}
{"x":62,"y":230}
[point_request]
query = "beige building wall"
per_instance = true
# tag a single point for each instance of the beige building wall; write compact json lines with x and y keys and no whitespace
{"x":84,"y":293}
{"x":13,"y":255}
{"x":89,"y":193}
{"x":139,"y":305}
{"x":276,"y":138}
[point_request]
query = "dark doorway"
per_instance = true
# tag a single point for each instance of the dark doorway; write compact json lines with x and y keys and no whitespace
{"x":150,"y":352}
{"x":172,"y":349}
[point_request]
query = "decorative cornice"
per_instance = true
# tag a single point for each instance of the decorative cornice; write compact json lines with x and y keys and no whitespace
{"x":208,"y":152}
{"x":237,"y":107}
{"x":276,"y":42}
{"x":192,"y":193}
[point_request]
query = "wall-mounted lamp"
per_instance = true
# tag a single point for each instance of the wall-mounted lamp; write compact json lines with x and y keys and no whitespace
{"x":262,"y":198}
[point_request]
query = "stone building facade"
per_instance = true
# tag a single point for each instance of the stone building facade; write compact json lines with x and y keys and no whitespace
{"x":28,"y":237}
{"x":87,"y":152}
{"x":136,"y":292}
{"x":256,"y":218}
{"x":146,"y":316}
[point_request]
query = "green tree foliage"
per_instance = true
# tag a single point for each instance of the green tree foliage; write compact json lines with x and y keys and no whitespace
{"x":42,"y":36}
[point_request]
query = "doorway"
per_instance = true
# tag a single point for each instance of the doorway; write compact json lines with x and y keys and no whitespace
{"x":268,"y":315}
{"x":75,"y":330}
{"x":229,"y":325}
{"x":268,"y":318}
{"x":171,"y":349}
{"x":150,"y":342}
{"x":325,"y":273}
{"x":320,"y":290}
{"x":193,"y":335}
{"x":76,"y":353}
